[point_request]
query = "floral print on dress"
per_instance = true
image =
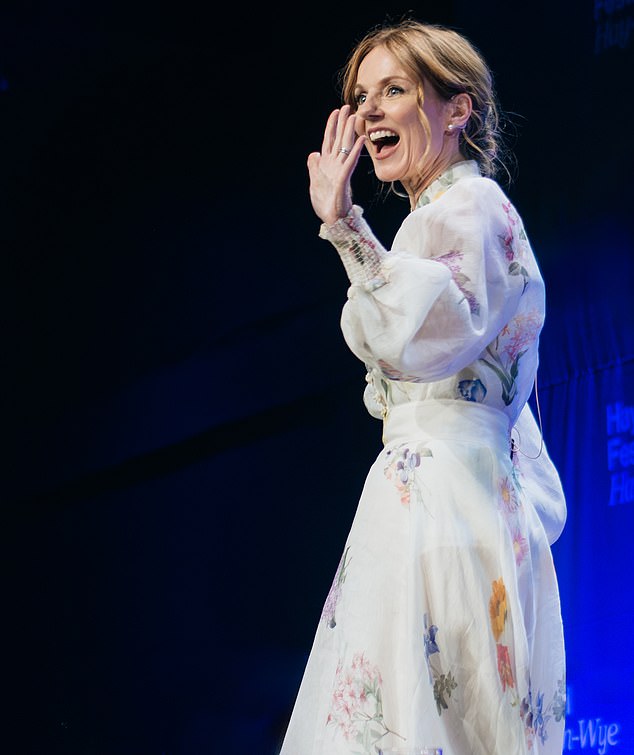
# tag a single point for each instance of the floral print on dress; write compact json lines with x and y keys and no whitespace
{"x":330,"y":606}
{"x":498,"y":613}
{"x":356,"y":708}
{"x":393,"y":374}
{"x":520,"y":546}
{"x":512,"y":511}
{"x":497,"y":608}
{"x":504,"y":667}
{"x":504,"y":353}
{"x":507,"y":373}
{"x":472,"y":390}
{"x":444,"y":684}
{"x":438,"y":187}
{"x":400,"y":468}
{"x":452,"y":260}
{"x":514,"y":245}
{"x":509,"y":500}
{"x":521,"y":333}
{"x":536,"y":716}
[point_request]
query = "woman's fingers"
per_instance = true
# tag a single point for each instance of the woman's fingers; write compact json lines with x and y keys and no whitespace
{"x":345,"y":127}
{"x":348,"y":135}
{"x":357,"y":146}
{"x":351,"y":158}
{"x":313,"y":160}
{"x":330,"y":132}
{"x":339,"y":133}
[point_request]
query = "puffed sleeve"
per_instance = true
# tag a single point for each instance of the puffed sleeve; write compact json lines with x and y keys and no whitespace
{"x":539,"y":477}
{"x":432,"y":304}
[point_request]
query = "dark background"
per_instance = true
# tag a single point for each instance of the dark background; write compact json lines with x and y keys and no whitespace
{"x":185,"y":436}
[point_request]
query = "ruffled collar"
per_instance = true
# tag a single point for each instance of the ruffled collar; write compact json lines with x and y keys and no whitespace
{"x":446,"y":179}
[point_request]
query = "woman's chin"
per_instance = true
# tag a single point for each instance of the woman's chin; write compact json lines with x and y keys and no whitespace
{"x":384,"y":174}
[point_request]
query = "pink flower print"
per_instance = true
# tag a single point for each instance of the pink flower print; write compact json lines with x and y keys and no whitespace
{"x":520,"y":333}
{"x":504,"y":354}
{"x":452,"y":261}
{"x":507,"y":237}
{"x":514,"y":244}
{"x":510,"y":213}
{"x":520,"y":546}
{"x":508,"y":495}
{"x":356,"y":707}
{"x":356,"y":694}
{"x":401,"y":470}
{"x":507,"y":243}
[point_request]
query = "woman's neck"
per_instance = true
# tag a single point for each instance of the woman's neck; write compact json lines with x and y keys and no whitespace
{"x":431,"y":172}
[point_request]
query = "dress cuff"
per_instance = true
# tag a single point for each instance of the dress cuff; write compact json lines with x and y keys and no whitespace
{"x":360,"y":251}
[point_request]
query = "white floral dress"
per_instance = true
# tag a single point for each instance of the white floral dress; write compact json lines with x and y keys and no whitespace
{"x":443,"y":623}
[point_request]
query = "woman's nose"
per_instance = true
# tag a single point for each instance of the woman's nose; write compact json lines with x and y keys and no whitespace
{"x":368,"y":109}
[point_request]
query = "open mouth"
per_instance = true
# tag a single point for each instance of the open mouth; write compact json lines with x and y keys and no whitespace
{"x":384,"y":138}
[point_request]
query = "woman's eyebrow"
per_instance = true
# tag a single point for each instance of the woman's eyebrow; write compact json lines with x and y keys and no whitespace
{"x":385,"y":80}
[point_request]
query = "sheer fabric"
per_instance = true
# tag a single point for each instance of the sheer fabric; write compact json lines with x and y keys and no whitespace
{"x":443,"y":626}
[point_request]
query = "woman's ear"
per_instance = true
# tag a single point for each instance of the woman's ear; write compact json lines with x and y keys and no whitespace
{"x":460,"y":108}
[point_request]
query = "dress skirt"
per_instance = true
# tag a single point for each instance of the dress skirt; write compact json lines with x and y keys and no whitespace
{"x":442,"y":626}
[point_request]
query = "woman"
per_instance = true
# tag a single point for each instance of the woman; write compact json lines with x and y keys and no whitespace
{"x":443,"y":625}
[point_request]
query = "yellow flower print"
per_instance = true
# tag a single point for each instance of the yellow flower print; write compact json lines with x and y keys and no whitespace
{"x":497,"y":607}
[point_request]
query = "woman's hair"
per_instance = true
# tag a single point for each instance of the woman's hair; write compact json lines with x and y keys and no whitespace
{"x":451,"y":64}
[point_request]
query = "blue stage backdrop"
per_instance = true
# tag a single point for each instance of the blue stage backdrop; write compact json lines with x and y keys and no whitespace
{"x":588,"y":411}
{"x":185,"y":435}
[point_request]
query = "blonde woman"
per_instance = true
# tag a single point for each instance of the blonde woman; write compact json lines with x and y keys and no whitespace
{"x":443,"y":624}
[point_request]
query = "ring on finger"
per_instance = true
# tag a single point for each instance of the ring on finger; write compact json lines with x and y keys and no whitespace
{"x":344,"y":151}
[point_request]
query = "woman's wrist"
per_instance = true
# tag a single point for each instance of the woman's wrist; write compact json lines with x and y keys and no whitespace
{"x":360,"y":251}
{"x":337,"y":214}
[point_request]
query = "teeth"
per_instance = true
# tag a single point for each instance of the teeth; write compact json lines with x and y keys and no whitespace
{"x":381,"y":134}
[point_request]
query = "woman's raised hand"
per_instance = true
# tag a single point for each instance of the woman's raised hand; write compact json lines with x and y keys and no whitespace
{"x":331,"y":169}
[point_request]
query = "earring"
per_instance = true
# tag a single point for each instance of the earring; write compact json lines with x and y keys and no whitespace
{"x":450,"y":128}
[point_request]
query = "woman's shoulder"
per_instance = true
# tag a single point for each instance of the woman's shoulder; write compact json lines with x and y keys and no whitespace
{"x":473,"y":205}
{"x":471,"y":194}
{"x":478,"y":189}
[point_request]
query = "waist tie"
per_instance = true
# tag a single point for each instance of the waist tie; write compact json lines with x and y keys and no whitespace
{"x":462,"y":421}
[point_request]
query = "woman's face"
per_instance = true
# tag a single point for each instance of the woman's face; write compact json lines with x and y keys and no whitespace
{"x":388,"y":114}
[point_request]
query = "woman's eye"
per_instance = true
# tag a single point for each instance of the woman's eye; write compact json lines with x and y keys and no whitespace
{"x":394,"y":90}
{"x":360,"y":99}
